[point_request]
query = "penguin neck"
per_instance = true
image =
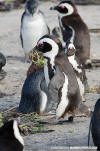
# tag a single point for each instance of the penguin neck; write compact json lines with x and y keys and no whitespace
{"x":50,"y":68}
{"x":72,"y":59}
{"x":30,"y":15}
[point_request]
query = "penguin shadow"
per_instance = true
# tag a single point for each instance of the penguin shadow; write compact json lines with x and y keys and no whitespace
{"x":16,"y":58}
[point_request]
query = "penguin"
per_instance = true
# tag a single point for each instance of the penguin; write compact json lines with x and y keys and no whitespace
{"x":68,"y":93}
{"x":33,"y":27}
{"x":95,"y":125}
{"x":34,"y":93}
{"x":79,"y":71}
{"x":74,"y":30}
{"x":10,"y":137}
{"x":2,"y":61}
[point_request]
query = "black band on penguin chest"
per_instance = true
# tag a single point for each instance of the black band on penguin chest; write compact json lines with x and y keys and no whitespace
{"x":51,"y":70}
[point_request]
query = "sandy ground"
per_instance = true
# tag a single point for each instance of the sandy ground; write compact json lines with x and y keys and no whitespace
{"x":16,"y":73}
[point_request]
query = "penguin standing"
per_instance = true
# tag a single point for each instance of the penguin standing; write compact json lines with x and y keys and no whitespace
{"x":68,"y":92}
{"x":34,"y":93}
{"x":10,"y":137}
{"x":33,"y":27}
{"x":95,"y":125}
{"x":74,"y":30}
{"x":79,"y":71}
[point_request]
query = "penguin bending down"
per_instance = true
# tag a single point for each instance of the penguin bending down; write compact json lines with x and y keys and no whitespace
{"x":66,"y":85}
{"x":95,"y":125}
{"x":34,"y":93}
{"x":33,"y":27}
{"x":10,"y":137}
{"x":2,"y":61}
{"x":74,"y":30}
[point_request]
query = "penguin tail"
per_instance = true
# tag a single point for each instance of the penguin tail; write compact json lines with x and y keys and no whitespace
{"x":88,"y":64}
{"x":29,"y":103}
{"x":96,"y":62}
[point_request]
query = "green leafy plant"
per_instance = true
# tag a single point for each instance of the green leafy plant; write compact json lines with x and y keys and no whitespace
{"x":8,"y":1}
{"x":37,"y":59}
{"x":88,"y":90}
{"x":1,"y":120}
{"x":71,"y":131}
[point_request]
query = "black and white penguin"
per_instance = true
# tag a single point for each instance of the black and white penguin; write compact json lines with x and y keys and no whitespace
{"x":33,"y":27}
{"x":2,"y":61}
{"x":34,"y":94}
{"x":74,"y":30}
{"x":65,"y":82}
{"x":79,"y":71}
{"x":10,"y":137}
{"x":95,"y":125}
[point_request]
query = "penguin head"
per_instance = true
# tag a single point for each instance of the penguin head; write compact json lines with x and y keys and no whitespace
{"x":49,"y":45}
{"x":65,"y":7}
{"x":31,"y":7}
{"x":10,"y":131}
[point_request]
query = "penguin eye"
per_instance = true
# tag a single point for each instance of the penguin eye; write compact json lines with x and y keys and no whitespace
{"x":41,"y":44}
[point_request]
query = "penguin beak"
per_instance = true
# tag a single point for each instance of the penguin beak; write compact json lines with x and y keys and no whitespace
{"x":36,"y":49}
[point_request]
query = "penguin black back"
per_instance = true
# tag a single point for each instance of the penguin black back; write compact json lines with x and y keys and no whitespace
{"x":31,"y":96}
{"x":10,"y":138}
{"x":74,"y":30}
{"x":95,"y":125}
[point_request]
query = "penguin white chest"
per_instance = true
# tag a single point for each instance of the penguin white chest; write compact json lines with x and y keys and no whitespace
{"x":33,"y":29}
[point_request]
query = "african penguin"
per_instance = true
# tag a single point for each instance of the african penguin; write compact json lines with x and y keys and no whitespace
{"x":10,"y":137}
{"x":95,"y":125}
{"x":34,"y":93}
{"x":2,"y":61}
{"x":33,"y":27}
{"x":68,"y":92}
{"x":79,"y":71}
{"x":74,"y":30}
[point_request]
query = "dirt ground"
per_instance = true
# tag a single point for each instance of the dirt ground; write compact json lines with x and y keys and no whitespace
{"x":75,"y":134}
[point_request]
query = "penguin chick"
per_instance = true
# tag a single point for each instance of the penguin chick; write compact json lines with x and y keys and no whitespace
{"x":10,"y":137}
{"x":68,"y":91}
{"x":34,"y":93}
{"x":33,"y":27}
{"x":74,"y":30}
{"x":2,"y":61}
{"x":95,"y":125}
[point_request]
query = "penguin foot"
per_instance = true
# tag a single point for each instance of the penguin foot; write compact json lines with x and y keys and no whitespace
{"x":83,"y":111}
{"x":70,"y":119}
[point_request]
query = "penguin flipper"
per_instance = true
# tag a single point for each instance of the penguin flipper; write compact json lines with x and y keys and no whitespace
{"x":21,"y":39}
{"x":21,"y":28}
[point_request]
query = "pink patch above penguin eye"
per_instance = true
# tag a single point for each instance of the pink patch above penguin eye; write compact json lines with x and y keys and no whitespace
{"x":40,"y":44}
{"x":62,"y":6}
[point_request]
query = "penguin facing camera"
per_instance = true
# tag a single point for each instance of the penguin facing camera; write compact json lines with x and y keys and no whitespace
{"x":74,"y":30}
{"x":65,"y":83}
{"x":33,"y":27}
{"x":10,"y":137}
{"x":95,"y":126}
